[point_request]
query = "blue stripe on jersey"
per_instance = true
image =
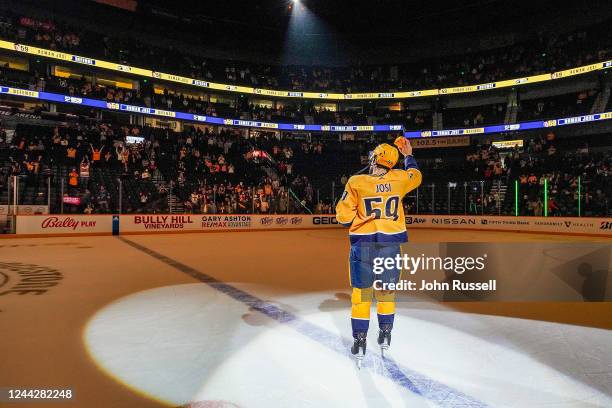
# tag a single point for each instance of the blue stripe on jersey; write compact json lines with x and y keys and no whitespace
{"x":378,"y":237}
{"x":410,"y":163}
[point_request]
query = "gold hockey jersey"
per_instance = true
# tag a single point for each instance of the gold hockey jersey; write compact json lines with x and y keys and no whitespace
{"x":378,"y":198}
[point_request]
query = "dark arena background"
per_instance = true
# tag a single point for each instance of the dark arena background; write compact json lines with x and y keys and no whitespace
{"x":178,"y":185}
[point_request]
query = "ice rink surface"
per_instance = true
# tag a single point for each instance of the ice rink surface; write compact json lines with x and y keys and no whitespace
{"x":262,"y":320}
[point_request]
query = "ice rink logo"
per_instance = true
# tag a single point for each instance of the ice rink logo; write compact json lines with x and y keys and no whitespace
{"x":3,"y":279}
{"x":27,"y":279}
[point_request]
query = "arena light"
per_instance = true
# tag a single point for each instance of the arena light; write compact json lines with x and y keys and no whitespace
{"x":133,"y":339}
{"x":308,"y":39}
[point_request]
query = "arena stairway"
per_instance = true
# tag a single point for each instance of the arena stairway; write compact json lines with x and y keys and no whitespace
{"x":511,"y":108}
{"x":499,"y":188}
{"x":175,"y":204}
{"x":601,"y":101}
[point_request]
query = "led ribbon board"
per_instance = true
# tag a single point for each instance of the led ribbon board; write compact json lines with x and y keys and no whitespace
{"x":540,"y":124}
{"x":142,"y":110}
{"x":42,"y":52}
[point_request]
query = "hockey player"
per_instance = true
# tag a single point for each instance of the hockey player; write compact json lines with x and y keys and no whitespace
{"x":371,"y":206}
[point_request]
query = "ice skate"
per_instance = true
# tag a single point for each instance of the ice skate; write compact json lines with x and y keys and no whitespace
{"x":359,"y":348}
{"x":384,"y":338}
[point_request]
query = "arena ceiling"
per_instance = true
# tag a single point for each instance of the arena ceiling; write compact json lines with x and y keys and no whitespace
{"x":385,"y":18}
{"x":327,"y":32}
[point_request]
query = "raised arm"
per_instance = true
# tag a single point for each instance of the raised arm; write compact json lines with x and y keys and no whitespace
{"x":410,"y":165}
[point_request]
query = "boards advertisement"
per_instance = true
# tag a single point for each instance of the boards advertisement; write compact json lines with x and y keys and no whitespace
{"x":173,"y":223}
{"x":167,"y":223}
{"x":553,"y":225}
